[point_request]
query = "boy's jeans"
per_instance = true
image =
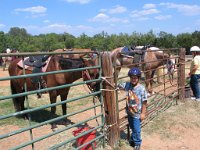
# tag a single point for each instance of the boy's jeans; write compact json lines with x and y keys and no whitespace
{"x":134,"y":124}
{"x":194,"y":84}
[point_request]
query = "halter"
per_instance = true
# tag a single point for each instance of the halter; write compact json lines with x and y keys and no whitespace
{"x":86,"y":75}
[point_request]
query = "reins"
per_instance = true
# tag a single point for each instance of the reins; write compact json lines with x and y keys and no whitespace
{"x":86,"y":74}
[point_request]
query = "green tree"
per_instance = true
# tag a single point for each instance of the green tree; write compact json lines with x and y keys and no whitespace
{"x":147,"y":39}
{"x":2,"y":42}
{"x":17,"y":37}
{"x":166,"y":40}
{"x":196,"y":38}
{"x":69,"y":40}
{"x":184,"y":40}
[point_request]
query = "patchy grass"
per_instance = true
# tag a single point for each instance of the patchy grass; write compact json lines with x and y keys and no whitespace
{"x":181,"y":115}
{"x":6,"y":106}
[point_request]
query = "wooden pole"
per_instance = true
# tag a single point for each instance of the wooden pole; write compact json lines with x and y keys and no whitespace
{"x":181,"y":75}
{"x":109,"y":97}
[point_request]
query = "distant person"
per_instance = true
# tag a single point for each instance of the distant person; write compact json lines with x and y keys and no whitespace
{"x":8,"y":50}
{"x":136,"y":104}
{"x":194,"y":73}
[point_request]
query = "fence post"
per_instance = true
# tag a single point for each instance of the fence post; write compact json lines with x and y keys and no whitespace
{"x":109,"y":97}
{"x":181,"y":75}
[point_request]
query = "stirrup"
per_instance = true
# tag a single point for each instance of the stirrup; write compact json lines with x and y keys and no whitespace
{"x":39,"y":94}
{"x":43,"y":84}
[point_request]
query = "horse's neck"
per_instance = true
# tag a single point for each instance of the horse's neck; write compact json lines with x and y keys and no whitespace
{"x":115,"y":55}
{"x":116,"y":51}
{"x":76,"y":75}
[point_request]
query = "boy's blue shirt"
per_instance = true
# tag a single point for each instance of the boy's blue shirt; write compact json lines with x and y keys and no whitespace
{"x":141,"y":93}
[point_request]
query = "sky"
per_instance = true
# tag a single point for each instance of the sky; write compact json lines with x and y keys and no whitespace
{"x":94,"y":16}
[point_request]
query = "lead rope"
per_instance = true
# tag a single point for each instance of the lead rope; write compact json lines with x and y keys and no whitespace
{"x":90,"y":91}
{"x":108,"y":126}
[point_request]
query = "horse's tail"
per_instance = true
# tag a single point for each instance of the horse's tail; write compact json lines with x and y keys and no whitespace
{"x":15,"y":87}
{"x":13,"y":91}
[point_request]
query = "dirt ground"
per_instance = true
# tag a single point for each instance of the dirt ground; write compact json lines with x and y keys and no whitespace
{"x":4,"y":74}
{"x":178,"y":128}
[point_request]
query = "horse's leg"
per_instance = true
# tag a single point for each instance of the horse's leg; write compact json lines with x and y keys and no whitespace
{"x":4,"y":65}
{"x":19,"y":105}
{"x":18,"y":102}
{"x":63,"y":97}
{"x":151,"y":81}
{"x":147,"y":81}
{"x":159,"y":73}
{"x":53,"y":97}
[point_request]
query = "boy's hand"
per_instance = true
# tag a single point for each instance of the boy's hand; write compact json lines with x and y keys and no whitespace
{"x":142,"y":116}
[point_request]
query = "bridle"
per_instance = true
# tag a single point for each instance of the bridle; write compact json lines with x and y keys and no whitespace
{"x":87,"y":76}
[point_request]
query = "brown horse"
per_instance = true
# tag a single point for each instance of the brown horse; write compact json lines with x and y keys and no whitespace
{"x":55,"y":63}
{"x":150,"y":60}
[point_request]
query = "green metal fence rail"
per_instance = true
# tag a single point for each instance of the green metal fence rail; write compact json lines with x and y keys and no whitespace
{"x":158,"y":102}
{"x":31,"y":126}
{"x":62,"y":137}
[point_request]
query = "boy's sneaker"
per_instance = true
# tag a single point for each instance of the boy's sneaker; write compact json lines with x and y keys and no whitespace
{"x":193,"y":98}
{"x":131,"y":143}
{"x":137,"y":147}
{"x":198,"y":99}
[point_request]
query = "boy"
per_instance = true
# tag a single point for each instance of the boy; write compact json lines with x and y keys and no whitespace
{"x":135,"y":105}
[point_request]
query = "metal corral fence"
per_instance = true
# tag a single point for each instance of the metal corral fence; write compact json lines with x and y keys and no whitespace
{"x":83,"y":109}
{"x":84,"y":115}
{"x":165,"y":93}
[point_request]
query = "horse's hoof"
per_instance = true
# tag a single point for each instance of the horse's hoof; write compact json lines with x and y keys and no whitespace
{"x":66,"y":122}
{"x":39,"y":95}
{"x":53,"y":126}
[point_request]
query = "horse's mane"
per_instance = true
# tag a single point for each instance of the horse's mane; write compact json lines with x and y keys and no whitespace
{"x":115,"y":52}
{"x":69,"y":63}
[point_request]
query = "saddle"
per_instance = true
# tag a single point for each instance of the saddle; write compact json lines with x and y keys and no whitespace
{"x":134,"y":51}
{"x":36,"y":61}
{"x":35,"y":64}
{"x":128,"y":51}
